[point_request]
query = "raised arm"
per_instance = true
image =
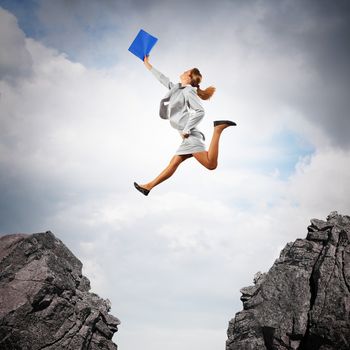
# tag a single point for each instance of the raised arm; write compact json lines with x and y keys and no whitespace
{"x":146,"y":62}
{"x":161,"y":77}
{"x":196,"y":111}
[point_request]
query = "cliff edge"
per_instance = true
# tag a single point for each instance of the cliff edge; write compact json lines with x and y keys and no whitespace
{"x":303,"y":301}
{"x":45,"y":301}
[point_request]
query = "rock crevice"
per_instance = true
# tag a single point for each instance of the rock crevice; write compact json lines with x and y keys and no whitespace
{"x":303,"y":302}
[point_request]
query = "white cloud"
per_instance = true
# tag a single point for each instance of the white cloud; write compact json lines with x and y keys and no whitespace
{"x":14,"y":58}
{"x":74,"y":138}
{"x":321,"y":183}
{"x":158,"y":338}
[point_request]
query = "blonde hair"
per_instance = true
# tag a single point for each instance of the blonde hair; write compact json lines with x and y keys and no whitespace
{"x":196,"y":78}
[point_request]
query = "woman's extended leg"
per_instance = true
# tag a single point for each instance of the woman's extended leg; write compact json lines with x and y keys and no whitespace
{"x":209,"y":158}
{"x":167,"y":172}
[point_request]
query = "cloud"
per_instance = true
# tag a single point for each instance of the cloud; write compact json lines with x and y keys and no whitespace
{"x":76,"y":133}
{"x":15,"y":61}
{"x":320,"y":182}
{"x":182,"y":258}
{"x":286,"y":56}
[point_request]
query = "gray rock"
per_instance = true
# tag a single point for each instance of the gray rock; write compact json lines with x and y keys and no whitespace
{"x":45,"y":301}
{"x":303,"y":302}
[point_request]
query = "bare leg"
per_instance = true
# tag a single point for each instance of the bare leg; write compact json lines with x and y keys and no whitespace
{"x":167,"y":172}
{"x":209,"y":158}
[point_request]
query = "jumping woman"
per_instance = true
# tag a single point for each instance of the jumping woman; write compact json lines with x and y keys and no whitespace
{"x":181,"y":105}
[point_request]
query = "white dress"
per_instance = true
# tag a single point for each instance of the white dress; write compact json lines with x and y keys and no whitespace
{"x":181,"y":105}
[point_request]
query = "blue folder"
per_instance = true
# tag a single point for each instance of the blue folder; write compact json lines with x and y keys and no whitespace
{"x":142,"y":44}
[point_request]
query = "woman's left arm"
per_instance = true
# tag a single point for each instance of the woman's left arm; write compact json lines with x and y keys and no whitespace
{"x":198,"y":111}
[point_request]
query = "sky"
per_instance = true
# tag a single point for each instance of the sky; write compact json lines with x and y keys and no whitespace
{"x":79,"y":124}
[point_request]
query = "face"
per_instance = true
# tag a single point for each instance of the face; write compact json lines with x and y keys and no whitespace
{"x":185,"y":77}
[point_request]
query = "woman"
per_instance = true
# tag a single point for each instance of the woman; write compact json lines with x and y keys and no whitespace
{"x":182,"y":107}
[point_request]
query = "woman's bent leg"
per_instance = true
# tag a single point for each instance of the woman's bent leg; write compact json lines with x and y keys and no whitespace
{"x":209,"y":158}
{"x":167,"y":172}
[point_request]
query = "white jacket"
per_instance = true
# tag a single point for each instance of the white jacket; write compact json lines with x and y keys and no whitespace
{"x":181,"y":105}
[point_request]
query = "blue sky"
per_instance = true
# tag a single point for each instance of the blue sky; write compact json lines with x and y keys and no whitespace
{"x":25,"y":12}
{"x":79,"y":123}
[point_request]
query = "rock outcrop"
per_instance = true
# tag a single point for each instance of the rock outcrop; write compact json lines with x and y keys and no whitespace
{"x":303,"y":302}
{"x":45,"y":301}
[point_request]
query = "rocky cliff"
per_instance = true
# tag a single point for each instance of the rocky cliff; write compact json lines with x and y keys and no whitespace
{"x":303,"y":302}
{"x":45,"y":301}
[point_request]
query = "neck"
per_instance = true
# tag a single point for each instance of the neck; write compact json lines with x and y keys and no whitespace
{"x":184,"y":82}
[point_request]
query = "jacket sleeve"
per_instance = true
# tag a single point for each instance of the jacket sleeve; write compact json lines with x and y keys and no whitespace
{"x":162,"y":78}
{"x":196,"y":111}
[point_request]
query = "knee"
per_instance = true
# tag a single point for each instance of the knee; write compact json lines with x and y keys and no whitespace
{"x":212,"y":166}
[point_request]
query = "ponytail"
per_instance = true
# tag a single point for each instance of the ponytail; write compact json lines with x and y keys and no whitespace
{"x":196,"y":78}
{"x":206,"y":93}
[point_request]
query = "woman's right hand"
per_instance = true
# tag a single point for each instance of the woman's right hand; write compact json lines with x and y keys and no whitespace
{"x":146,"y":62}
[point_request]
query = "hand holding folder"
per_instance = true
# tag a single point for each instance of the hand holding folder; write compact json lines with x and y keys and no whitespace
{"x":142,"y":44}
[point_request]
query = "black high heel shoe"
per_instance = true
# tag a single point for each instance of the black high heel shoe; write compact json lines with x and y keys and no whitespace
{"x":221,"y":122}
{"x":141,"y":189}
